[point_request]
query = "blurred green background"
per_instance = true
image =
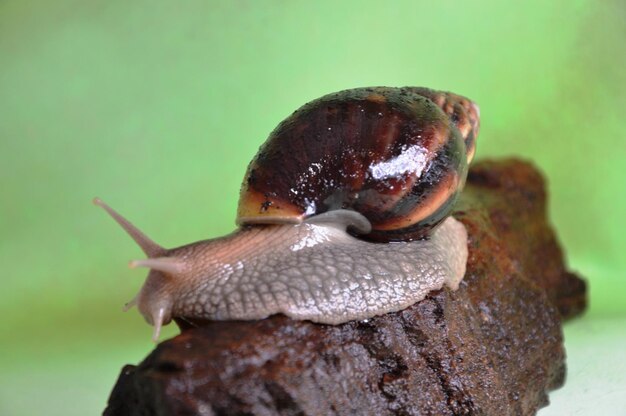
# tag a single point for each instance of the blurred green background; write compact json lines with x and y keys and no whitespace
{"x":157,"y":107}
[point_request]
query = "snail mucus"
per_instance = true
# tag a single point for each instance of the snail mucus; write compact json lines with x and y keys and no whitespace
{"x":344,"y":214}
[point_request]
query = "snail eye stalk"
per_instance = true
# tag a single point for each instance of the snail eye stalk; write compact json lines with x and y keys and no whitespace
{"x":146,"y":244}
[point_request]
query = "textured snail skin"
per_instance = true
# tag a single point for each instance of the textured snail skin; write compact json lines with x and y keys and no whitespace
{"x":315,"y":271}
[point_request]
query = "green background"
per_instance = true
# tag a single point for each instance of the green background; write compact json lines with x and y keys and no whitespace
{"x":158,"y":106}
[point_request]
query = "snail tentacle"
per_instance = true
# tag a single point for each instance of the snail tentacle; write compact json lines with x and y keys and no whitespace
{"x":157,"y":320}
{"x":148,"y":246}
{"x":168,"y":265}
{"x":129,"y":305}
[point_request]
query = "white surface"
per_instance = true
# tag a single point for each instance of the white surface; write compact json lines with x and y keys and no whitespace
{"x":596,"y":369}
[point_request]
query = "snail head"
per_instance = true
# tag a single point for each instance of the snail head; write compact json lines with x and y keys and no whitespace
{"x":153,"y":300}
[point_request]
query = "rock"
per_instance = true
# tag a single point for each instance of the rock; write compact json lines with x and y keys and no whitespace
{"x":493,"y":347}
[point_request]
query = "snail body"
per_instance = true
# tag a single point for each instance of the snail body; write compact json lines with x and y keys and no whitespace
{"x":343,"y":215}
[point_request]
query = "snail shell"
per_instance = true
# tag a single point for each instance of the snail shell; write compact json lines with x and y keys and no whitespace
{"x":390,"y":154}
{"x":385,"y":164}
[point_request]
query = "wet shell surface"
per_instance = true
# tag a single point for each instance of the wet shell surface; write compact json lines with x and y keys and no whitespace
{"x":398,"y":156}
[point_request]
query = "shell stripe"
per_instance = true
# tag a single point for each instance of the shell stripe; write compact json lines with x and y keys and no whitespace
{"x":437,"y":198}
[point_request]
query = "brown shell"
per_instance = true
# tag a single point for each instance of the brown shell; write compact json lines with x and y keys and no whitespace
{"x":396,"y":155}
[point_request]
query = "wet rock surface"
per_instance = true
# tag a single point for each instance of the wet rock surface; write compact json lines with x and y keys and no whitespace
{"x":493,"y":347}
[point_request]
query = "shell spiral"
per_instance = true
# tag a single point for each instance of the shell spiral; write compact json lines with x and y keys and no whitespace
{"x":398,"y":156}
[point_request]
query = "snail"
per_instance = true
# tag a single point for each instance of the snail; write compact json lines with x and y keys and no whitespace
{"x":344,"y":214}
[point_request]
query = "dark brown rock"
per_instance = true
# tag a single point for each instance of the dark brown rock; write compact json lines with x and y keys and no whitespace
{"x":494,"y":347}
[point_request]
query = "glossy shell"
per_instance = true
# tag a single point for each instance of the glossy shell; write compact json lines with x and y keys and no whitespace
{"x":397,"y":155}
